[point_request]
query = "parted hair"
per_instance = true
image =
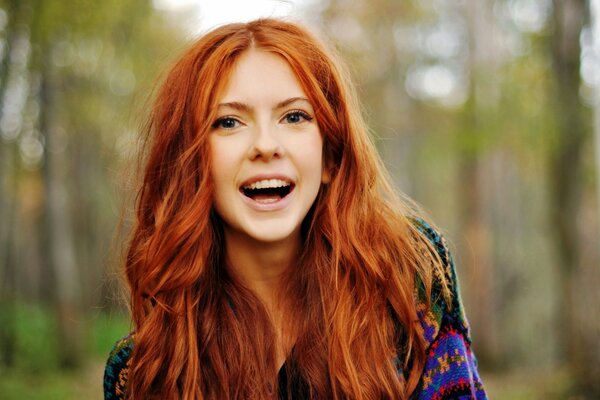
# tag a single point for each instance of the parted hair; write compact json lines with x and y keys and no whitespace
{"x":199,"y":333}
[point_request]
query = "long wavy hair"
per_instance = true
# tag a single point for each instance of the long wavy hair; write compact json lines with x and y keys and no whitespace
{"x":198,"y":332}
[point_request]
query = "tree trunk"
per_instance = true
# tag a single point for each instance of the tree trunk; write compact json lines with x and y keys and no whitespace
{"x":8,"y":189}
{"x":7,"y":264}
{"x":595,"y":23}
{"x":477,"y":254}
{"x":566,"y":167}
{"x":60,"y":244}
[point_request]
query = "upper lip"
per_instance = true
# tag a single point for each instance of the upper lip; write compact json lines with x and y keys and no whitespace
{"x":262,"y":177}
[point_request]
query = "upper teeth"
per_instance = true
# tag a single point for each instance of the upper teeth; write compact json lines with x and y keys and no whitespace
{"x":267,"y":183}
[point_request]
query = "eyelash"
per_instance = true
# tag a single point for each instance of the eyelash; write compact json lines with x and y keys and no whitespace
{"x":218,"y":123}
{"x":301,"y":113}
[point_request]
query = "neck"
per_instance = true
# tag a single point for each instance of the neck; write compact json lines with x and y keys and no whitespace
{"x":261,"y":266}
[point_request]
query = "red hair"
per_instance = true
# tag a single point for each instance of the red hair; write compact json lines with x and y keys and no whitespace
{"x":199,"y":333}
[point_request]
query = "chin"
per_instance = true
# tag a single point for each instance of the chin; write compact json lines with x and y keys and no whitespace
{"x":280,"y":234}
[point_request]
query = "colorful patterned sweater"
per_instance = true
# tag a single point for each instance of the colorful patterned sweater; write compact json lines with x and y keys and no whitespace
{"x":450,"y":370}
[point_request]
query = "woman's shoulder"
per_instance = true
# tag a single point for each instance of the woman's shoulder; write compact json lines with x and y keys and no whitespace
{"x":117,"y":368}
{"x":451,"y":367}
{"x":445,"y":306}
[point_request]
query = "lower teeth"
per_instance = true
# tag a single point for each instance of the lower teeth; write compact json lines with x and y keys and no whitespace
{"x":266,"y":199}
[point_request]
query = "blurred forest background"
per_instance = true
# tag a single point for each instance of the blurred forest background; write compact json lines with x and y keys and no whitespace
{"x":487,"y":113}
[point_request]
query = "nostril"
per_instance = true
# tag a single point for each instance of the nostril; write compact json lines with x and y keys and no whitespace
{"x":266,"y":147}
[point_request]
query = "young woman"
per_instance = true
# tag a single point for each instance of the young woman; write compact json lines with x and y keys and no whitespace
{"x":271,"y":258}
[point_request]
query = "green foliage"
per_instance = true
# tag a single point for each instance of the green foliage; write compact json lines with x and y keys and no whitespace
{"x":33,"y":329}
{"x":36,"y":375}
{"x":104,"y":329}
{"x":529,"y":385}
{"x":47,"y":386}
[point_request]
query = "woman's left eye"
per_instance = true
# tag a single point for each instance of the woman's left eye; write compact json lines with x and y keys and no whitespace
{"x":296,"y":117}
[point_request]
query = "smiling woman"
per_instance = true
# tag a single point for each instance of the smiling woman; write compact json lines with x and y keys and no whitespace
{"x":266,"y":151}
{"x":270,"y":257}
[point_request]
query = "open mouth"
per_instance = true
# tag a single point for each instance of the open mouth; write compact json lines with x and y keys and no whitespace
{"x":267,"y":190}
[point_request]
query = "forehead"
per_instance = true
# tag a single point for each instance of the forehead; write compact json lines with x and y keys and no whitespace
{"x":260,"y":75}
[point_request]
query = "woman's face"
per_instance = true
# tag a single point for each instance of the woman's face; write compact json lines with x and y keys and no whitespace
{"x":266,"y":151}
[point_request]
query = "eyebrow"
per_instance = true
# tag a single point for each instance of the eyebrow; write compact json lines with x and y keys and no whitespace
{"x":291,"y":100}
{"x":236,"y":105}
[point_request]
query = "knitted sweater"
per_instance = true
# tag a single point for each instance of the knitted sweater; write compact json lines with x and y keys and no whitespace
{"x":450,"y":370}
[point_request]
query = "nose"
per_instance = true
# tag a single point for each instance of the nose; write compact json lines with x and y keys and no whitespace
{"x":265,"y":144}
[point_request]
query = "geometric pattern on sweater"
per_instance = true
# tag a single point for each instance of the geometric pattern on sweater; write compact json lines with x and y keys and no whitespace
{"x":450,"y":370}
{"x":439,"y":308}
{"x":117,"y":369}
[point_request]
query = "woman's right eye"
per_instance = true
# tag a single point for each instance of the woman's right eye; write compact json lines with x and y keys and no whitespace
{"x":226,"y":123}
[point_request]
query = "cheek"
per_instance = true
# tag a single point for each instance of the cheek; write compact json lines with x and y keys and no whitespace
{"x":222,"y":161}
{"x":221,"y":173}
{"x":313,"y":155}
{"x":309,"y":157}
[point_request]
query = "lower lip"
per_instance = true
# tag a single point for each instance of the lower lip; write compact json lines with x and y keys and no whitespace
{"x":271,"y":206}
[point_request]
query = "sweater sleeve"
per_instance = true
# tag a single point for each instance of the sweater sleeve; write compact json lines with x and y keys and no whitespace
{"x":117,"y":369}
{"x":450,"y":370}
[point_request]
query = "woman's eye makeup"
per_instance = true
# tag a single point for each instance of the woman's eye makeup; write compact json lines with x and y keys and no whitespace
{"x":296,"y":117}
{"x":290,"y":117}
{"x":226,"y":123}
